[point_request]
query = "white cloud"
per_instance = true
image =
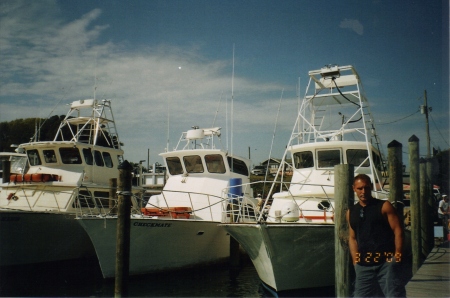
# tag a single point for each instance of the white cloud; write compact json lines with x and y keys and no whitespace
{"x":353,"y":25}
{"x":46,"y":60}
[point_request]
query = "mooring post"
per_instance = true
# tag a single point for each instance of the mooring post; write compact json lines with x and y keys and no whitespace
{"x":123,"y":230}
{"x":112,"y":195}
{"x":235,"y":257}
{"x":414,"y":175}
{"x":344,"y":198}
{"x":6,"y":168}
{"x":431,"y":202}
{"x":424,"y":211}
{"x":395,"y":170}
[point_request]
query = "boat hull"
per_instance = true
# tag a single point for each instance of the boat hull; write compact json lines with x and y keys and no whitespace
{"x":35,"y":237}
{"x":289,"y":256}
{"x":159,"y":245}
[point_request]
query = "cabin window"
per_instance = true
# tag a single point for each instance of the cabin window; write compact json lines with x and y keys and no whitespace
{"x":87,"y":153}
{"x":98,"y":158}
{"x":358,"y":157}
{"x":70,"y":155}
{"x":19,"y":164}
{"x":174,"y":165}
{"x":237,"y":166}
{"x":193,"y":164}
{"x":49,"y":156}
{"x":33,"y":157}
{"x":303,"y":160}
{"x":328,"y":158}
{"x":108,"y":160}
{"x":215,"y":164}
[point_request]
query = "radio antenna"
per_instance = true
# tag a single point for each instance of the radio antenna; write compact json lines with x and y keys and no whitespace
{"x":232,"y":105}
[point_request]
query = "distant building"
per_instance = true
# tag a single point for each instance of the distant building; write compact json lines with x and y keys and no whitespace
{"x":274,"y":163}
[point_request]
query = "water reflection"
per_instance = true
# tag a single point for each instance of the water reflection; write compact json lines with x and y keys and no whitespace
{"x":83,"y":279}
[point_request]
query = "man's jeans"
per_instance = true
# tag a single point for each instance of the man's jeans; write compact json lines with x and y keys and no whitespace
{"x":386,"y":277}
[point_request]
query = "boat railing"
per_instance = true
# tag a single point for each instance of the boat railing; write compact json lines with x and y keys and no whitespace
{"x":190,"y":205}
{"x":240,"y":206}
{"x":78,"y":200}
{"x":88,"y":205}
{"x":240,"y":209}
{"x":313,"y":202}
{"x":37,"y":198}
{"x":187,"y":205}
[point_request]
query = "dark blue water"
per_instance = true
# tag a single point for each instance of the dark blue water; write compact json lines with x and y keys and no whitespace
{"x":83,"y":279}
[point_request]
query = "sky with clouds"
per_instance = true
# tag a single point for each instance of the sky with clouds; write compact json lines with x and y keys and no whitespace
{"x":167,"y":65}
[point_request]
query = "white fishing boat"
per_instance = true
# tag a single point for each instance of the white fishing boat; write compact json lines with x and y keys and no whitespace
{"x":179,"y":228}
{"x":65,"y":176}
{"x":292,"y":244}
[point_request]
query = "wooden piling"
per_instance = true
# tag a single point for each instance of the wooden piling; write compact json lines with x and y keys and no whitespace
{"x":343,"y":200}
{"x":416,"y":243}
{"x":395,"y":162}
{"x":235,"y":257}
{"x":6,"y":168}
{"x":123,"y":230}
{"x":424,"y":210}
{"x":431,"y":201}
{"x":112,"y":195}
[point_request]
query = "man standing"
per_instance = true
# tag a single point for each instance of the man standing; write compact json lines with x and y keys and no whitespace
{"x":443,"y":214}
{"x":375,"y":242}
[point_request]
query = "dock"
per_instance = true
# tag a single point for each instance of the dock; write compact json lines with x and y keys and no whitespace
{"x":433,"y":277}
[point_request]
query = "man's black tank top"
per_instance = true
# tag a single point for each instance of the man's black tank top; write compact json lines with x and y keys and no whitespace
{"x":375,"y":238}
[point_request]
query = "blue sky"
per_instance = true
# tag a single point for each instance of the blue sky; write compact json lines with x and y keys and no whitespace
{"x":167,"y":65}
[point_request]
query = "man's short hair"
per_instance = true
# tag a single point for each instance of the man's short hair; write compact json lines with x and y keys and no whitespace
{"x":363,"y":177}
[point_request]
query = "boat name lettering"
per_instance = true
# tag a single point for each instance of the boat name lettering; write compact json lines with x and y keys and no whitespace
{"x":152,"y":225}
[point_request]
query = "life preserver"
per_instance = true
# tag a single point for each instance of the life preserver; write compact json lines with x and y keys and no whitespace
{"x":36,"y":177}
{"x":174,"y":212}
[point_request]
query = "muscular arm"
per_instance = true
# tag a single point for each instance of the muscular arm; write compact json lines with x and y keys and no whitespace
{"x":352,"y":244}
{"x":391,"y":214}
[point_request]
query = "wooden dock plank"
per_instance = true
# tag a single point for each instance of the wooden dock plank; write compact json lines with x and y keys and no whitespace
{"x":433,"y":277}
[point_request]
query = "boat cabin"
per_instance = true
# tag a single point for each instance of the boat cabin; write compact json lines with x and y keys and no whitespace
{"x":205,"y":163}
{"x":199,"y":174}
{"x":326,"y":155}
{"x":97,"y":164}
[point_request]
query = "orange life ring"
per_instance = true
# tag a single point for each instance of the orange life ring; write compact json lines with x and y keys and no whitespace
{"x":36,"y":177}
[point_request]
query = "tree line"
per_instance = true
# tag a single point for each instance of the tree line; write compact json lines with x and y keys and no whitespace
{"x":21,"y":131}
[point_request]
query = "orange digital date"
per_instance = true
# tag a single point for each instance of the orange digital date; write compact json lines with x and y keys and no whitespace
{"x":376,"y":257}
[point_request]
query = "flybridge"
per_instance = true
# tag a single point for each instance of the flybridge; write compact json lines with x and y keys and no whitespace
{"x":335,"y":108}
{"x":90,"y":121}
{"x":333,"y":79}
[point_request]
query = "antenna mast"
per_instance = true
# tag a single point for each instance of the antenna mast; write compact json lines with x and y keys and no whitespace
{"x":232,"y":103}
{"x":95,"y":76}
{"x":168,"y":123}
